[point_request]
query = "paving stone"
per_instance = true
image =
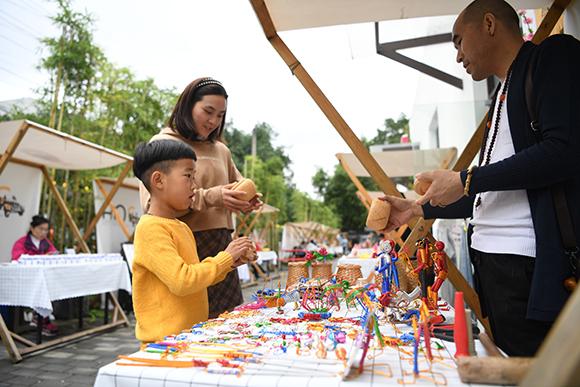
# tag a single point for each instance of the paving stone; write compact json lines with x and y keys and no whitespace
{"x":25,"y":372}
{"x":57,"y":355}
{"x":77,"y":379}
{"x":23,"y":381}
{"x":86,"y":357}
{"x":56,"y":367}
{"x":85,"y":371}
{"x":53,"y":376}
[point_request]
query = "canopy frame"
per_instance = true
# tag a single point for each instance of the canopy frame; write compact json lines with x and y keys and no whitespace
{"x":8,"y":337}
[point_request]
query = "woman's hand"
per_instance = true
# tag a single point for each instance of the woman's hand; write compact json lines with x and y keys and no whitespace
{"x":402,"y":211}
{"x":231,"y":200}
{"x":446,"y":187}
{"x":255,"y":203}
{"x":239,"y":249}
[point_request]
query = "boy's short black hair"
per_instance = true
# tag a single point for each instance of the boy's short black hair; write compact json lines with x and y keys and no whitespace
{"x":158,"y":155}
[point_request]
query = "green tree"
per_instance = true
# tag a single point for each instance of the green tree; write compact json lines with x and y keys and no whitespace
{"x":391,"y":133}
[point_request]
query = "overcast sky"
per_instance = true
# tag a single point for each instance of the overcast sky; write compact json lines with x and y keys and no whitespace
{"x":176,"y":41}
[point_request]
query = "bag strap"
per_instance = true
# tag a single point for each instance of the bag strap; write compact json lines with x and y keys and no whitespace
{"x":558,"y":194}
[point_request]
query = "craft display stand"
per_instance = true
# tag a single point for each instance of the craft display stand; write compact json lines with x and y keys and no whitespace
{"x":264,"y":10}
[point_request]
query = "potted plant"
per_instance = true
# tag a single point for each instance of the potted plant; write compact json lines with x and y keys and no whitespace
{"x":321,"y":263}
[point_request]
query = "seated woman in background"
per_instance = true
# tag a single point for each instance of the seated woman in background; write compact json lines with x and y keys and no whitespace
{"x":35,"y":242}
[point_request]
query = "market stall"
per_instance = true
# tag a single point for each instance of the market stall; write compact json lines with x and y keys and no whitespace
{"x":34,"y":147}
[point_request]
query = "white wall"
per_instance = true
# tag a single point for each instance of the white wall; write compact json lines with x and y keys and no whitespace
{"x":456,"y":112}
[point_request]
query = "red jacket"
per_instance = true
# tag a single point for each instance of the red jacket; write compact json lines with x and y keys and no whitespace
{"x":25,"y":245}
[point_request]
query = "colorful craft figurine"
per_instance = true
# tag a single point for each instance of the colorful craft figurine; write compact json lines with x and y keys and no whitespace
{"x":440,"y":268}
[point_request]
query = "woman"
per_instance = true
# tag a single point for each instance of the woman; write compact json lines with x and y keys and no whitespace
{"x":35,"y":242}
{"x":198,"y":120}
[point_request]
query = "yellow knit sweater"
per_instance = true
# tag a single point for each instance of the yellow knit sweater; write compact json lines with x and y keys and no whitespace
{"x":169,"y":281}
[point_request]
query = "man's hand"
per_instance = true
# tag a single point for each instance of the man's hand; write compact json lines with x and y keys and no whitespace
{"x":446,"y":187}
{"x":402,"y":211}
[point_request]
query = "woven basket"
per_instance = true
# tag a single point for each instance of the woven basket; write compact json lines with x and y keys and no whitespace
{"x":322,"y":270}
{"x":296,"y":270}
{"x":348,"y":272}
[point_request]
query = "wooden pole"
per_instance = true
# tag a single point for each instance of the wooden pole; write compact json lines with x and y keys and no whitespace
{"x":354,"y":178}
{"x":108,"y":199}
{"x":65,"y":211}
{"x":558,"y":360}
{"x":9,"y":342}
{"x":16,"y":139}
{"x":114,"y":211}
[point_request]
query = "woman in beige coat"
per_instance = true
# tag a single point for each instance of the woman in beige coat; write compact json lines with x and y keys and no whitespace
{"x":198,"y":120}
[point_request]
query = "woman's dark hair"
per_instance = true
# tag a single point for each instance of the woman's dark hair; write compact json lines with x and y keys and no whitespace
{"x":38,"y":220}
{"x":181,"y":119}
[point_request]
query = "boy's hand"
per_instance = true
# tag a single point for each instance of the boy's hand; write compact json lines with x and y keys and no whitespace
{"x":240,"y":249}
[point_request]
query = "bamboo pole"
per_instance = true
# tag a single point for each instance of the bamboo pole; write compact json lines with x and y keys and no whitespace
{"x":65,"y":211}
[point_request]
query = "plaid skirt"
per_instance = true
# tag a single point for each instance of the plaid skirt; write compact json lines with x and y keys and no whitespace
{"x":225,"y":295}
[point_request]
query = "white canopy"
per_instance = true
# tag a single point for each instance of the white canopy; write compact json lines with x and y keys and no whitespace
{"x":399,"y":163}
{"x":298,"y":14}
{"x":45,"y":146}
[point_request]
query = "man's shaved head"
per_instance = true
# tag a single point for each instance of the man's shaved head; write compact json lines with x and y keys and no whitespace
{"x":503,"y":12}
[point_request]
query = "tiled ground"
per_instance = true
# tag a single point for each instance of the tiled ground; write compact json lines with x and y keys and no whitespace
{"x":75,"y":364}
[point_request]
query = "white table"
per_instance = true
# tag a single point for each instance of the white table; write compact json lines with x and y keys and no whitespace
{"x":36,"y":284}
{"x":142,"y":376}
{"x":36,"y":281}
{"x":263,"y":256}
{"x":367,"y":265}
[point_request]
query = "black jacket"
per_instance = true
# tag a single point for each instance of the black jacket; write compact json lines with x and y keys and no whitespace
{"x":537,"y":166}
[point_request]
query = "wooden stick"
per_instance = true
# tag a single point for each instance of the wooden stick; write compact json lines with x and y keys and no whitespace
{"x":494,"y":370}
{"x":16,"y":139}
{"x":114,"y":211}
{"x":108,"y":199}
{"x":489,"y":345}
{"x":11,"y":347}
{"x":558,"y":360}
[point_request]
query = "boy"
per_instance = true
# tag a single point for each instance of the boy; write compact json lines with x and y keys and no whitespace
{"x":169,"y":281}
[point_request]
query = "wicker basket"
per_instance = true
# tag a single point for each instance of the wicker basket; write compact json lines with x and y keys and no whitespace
{"x":296,"y":270}
{"x":322,"y":270}
{"x":348,"y":272}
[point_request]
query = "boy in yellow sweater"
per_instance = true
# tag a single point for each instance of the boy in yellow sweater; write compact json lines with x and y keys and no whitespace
{"x":169,"y":281}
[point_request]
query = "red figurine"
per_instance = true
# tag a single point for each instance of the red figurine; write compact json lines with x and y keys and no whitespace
{"x":440,"y":268}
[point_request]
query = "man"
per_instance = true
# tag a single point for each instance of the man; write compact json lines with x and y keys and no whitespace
{"x":516,"y":244}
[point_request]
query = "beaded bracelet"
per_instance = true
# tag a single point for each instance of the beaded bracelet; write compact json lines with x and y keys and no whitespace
{"x":468,"y":180}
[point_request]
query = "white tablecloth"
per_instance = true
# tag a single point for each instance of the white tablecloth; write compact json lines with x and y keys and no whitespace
{"x":367,"y":265}
{"x":35,"y":285}
{"x":113,"y":375}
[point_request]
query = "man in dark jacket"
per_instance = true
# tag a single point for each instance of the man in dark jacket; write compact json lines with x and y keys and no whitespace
{"x":517,"y":251}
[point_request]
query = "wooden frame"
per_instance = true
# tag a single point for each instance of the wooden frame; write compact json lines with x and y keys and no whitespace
{"x":8,"y":337}
{"x":420,"y":228}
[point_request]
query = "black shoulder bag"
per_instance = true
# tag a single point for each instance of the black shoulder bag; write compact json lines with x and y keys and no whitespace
{"x":558,"y":194}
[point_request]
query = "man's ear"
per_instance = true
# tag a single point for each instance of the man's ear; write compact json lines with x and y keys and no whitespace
{"x":489,"y":23}
{"x":157,"y":180}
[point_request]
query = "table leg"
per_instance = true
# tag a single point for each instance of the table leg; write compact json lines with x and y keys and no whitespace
{"x":39,"y":322}
{"x":106,"y":314}
{"x":80,"y":310}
